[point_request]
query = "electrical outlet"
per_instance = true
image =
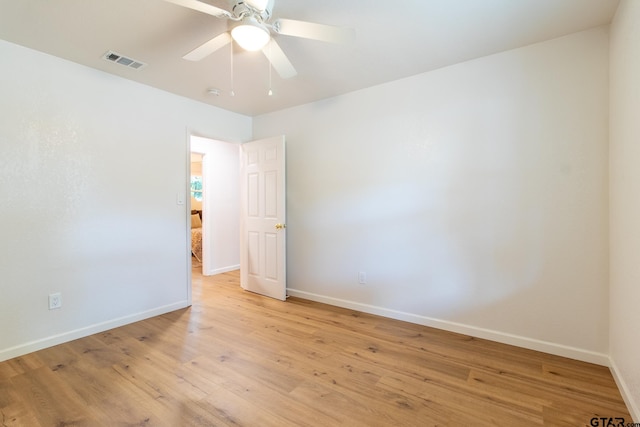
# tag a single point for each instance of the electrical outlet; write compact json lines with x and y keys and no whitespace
{"x":362,"y":277}
{"x":55,"y":301}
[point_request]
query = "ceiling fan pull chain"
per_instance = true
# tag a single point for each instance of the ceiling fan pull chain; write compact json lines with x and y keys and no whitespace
{"x":233,"y":93}
{"x":270,"y":93}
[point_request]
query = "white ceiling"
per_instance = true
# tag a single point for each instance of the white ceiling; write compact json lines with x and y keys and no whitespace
{"x":395,"y":39}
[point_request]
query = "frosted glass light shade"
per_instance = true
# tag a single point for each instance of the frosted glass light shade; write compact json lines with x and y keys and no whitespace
{"x":250,"y":35}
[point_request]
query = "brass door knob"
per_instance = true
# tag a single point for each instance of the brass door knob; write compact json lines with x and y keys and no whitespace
{"x":280,"y":226}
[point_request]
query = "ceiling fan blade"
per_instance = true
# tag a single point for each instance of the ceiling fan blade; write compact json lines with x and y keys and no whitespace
{"x":209,"y":47}
{"x":279,"y":60}
{"x":201,"y":7}
{"x":310,"y":30}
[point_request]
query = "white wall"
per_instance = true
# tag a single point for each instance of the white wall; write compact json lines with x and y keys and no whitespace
{"x":625,"y":202}
{"x":474,"y":197}
{"x":78,"y":214}
{"x":221,"y":213}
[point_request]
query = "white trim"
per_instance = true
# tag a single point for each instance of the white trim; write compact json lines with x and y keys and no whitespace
{"x":187,"y":213}
{"x":222,"y":270}
{"x":501,"y":337}
{"x":53,"y":340}
{"x":624,"y":391}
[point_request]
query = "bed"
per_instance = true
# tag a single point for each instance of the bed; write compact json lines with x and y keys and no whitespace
{"x":196,"y":234}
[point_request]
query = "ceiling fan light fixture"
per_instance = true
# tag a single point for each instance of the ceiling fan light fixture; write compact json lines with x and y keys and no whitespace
{"x":250,"y":34}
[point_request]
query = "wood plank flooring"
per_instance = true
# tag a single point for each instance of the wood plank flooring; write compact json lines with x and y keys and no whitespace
{"x":239,"y":359}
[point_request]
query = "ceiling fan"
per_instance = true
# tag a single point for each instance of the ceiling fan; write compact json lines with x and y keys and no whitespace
{"x":251,"y":28}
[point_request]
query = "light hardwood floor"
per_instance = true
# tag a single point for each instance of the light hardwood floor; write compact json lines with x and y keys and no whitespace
{"x":239,"y":359}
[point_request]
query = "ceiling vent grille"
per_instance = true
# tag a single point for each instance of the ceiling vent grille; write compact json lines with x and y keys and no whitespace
{"x":123,"y":60}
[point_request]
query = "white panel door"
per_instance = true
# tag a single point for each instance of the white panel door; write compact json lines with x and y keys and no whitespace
{"x":262,"y":210}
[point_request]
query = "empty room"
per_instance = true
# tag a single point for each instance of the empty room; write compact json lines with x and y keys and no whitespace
{"x":409,"y":213}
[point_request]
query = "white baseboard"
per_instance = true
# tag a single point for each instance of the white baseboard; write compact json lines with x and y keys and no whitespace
{"x":624,"y":391}
{"x":221,"y":270}
{"x":501,"y":337}
{"x":30,"y":347}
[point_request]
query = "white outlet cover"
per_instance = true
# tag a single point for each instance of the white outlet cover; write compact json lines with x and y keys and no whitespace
{"x":55,"y":301}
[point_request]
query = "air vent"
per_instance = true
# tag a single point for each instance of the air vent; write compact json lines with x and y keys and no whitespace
{"x":123,"y":60}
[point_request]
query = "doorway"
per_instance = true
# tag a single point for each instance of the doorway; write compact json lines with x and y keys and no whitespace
{"x":219,"y":210}
{"x":196,"y":196}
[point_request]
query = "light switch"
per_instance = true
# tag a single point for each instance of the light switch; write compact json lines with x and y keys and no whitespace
{"x":179,"y":199}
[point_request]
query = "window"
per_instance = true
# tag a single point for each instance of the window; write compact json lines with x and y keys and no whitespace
{"x":196,"y":187}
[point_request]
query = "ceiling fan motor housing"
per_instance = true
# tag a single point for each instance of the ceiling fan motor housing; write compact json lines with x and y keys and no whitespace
{"x":259,"y":10}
